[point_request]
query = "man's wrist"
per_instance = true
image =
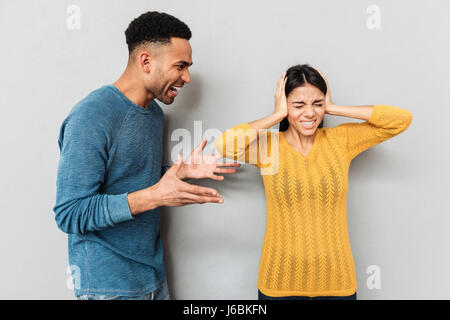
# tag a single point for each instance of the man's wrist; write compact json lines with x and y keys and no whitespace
{"x":152,"y":197}
{"x":143,"y":200}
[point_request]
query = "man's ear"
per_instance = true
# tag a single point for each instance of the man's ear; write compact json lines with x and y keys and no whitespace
{"x":145,"y":61}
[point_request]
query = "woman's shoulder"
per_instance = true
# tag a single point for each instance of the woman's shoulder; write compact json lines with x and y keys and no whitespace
{"x":337,"y":134}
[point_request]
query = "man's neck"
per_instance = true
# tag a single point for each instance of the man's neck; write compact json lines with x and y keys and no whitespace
{"x":132,"y":87}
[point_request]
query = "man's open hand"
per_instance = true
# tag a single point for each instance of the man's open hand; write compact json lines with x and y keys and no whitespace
{"x":170,"y":191}
{"x":199,"y":165}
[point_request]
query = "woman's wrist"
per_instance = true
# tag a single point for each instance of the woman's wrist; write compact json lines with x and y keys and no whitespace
{"x":278,"y":116}
{"x":354,"y":112}
{"x":331,"y":109}
{"x":267,"y":122}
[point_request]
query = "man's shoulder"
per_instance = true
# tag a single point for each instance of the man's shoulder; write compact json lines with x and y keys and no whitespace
{"x":99,"y":111}
{"x":99,"y":105}
{"x":97,"y":99}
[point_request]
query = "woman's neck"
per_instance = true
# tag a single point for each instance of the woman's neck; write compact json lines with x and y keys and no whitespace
{"x":299,"y":141}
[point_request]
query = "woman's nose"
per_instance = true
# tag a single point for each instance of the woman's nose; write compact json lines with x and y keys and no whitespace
{"x":309,"y":112}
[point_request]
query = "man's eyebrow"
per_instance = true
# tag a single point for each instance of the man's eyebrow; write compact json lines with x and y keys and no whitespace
{"x":184,"y":63}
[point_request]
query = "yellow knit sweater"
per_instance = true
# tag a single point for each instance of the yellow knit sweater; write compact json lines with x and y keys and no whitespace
{"x":306,"y":250}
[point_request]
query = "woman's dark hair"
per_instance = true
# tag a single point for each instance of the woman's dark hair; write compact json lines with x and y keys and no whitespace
{"x":155,"y":26}
{"x":298,"y":76}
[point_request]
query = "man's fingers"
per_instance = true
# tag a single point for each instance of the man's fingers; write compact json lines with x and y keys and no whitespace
{"x":183,"y":203}
{"x":201,"y":146}
{"x":196,"y":154}
{"x":201,"y":199}
{"x":216,"y":177}
{"x":228,"y":164}
{"x":204,"y":141}
{"x":174,"y":168}
{"x":198,"y":190}
{"x":224,"y":170}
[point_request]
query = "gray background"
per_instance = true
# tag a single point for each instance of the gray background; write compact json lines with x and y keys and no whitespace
{"x":398,"y":207}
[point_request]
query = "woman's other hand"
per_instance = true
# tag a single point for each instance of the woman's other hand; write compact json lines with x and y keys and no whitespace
{"x":280,"y":111}
{"x":328,"y":101}
{"x":280,"y":98}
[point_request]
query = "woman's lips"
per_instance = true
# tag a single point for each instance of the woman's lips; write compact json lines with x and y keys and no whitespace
{"x":308,"y":124}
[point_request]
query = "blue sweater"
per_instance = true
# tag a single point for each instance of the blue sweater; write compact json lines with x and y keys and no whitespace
{"x":109,"y":147}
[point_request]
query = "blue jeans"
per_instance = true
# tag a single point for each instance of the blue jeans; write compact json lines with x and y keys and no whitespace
{"x":161,"y":293}
{"x":262,"y":296}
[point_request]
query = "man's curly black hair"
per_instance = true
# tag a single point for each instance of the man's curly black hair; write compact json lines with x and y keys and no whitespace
{"x":155,"y":26}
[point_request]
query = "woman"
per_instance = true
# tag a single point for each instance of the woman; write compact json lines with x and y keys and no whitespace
{"x":306,"y":252}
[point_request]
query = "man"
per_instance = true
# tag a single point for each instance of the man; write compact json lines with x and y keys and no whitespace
{"x":109,"y":184}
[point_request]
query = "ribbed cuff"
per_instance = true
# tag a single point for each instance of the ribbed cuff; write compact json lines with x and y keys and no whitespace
{"x":119,"y":209}
{"x":244,"y":126}
{"x":375,"y":116}
{"x":164,"y":170}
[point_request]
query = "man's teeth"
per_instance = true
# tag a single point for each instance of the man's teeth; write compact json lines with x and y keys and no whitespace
{"x":309,"y":123}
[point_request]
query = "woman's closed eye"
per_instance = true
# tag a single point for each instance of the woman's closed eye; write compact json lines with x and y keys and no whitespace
{"x":301,"y":106}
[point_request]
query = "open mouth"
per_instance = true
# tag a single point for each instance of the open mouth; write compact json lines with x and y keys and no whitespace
{"x":174,"y":90}
{"x":308,"y":124}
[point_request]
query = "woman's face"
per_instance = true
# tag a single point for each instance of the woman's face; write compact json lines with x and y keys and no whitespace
{"x":306,"y":107}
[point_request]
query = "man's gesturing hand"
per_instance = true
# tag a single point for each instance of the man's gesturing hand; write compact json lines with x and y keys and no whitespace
{"x":199,"y":165}
{"x":170,"y":191}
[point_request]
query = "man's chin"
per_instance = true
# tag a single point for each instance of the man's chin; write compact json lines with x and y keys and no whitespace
{"x":166,"y":100}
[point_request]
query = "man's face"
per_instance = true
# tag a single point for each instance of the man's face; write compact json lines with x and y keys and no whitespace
{"x":169,"y":70}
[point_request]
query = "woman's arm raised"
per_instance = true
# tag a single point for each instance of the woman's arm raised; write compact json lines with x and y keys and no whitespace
{"x":280,"y":111}
{"x":354,"y":112}
{"x":381,"y":123}
{"x":242,"y":142}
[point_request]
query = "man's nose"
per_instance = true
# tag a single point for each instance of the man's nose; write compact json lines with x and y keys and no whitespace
{"x":186,"y":76}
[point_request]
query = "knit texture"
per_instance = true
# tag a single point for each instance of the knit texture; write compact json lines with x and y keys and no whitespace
{"x":110,"y":147}
{"x":306,"y":250}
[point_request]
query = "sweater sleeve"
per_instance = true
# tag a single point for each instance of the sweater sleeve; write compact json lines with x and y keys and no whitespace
{"x":80,"y":207}
{"x":384,"y":123}
{"x":244,"y":143}
{"x":164,"y":169}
